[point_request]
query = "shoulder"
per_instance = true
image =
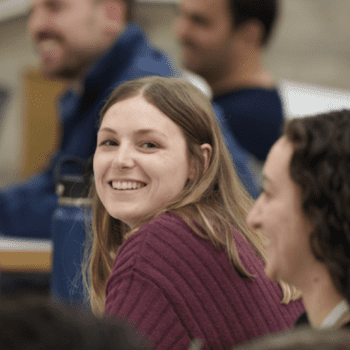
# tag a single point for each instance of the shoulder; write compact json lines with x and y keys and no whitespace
{"x":132,"y":56}
{"x":248,"y":92}
{"x":166,"y":252}
{"x":148,"y":59}
{"x":166,"y":221}
{"x":256,"y":96}
{"x":159,"y":237}
{"x":165,"y":227}
{"x":166,"y":224}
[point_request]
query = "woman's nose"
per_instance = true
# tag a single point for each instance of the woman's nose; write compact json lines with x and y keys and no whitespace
{"x":124,"y":158}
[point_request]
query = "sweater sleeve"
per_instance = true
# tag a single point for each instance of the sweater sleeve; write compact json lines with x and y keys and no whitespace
{"x":132,"y":293}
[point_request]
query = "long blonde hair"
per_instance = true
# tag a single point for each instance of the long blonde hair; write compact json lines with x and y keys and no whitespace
{"x":215,"y":199}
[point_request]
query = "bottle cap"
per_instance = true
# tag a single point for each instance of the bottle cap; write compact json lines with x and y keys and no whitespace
{"x":72,"y":180}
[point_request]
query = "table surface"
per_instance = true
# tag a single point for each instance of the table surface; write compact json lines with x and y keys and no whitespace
{"x":25,"y":255}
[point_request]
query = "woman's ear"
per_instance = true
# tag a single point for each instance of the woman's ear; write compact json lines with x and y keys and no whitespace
{"x":206,"y":150}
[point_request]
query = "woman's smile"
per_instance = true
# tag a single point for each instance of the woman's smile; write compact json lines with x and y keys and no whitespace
{"x":127,"y":185}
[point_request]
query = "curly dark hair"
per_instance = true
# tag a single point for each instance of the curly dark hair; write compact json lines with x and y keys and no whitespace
{"x":320,"y":165}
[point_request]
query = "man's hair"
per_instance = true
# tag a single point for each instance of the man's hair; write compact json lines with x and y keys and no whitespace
{"x":320,"y":165}
{"x":36,"y":322}
{"x":266,"y":11}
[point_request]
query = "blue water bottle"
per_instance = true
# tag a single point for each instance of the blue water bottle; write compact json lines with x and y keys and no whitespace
{"x":69,"y":231}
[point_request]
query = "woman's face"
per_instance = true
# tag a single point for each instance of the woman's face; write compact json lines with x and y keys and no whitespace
{"x":278,"y":213}
{"x":140,"y":162}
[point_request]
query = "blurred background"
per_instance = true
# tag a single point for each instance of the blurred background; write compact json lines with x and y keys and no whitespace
{"x":309,"y":56}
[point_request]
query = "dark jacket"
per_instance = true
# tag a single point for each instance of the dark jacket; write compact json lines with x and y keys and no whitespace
{"x":255,"y":117}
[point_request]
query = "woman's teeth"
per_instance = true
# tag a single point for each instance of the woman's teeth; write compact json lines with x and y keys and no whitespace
{"x":127,"y":185}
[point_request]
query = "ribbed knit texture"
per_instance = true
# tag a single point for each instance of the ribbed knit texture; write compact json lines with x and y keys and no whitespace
{"x":175,"y":286}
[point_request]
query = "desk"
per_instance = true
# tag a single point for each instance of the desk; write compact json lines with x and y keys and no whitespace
{"x":24,"y":255}
{"x":25,"y":266}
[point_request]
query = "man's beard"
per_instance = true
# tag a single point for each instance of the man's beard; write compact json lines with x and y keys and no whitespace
{"x":208,"y":67}
{"x":62,"y":73}
{"x":69,"y":70}
{"x":71,"y":62}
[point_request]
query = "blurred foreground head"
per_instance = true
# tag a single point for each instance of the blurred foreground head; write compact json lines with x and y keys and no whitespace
{"x":36,"y":322}
{"x":304,"y":209}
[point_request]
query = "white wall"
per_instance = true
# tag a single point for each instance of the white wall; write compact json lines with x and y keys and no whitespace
{"x":302,"y":99}
{"x":311,"y":43}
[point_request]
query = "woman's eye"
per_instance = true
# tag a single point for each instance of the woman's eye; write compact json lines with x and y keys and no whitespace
{"x":108,"y":143}
{"x":149,"y":145}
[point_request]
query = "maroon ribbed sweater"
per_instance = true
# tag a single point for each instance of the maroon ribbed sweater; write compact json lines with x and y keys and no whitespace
{"x":175,"y":286}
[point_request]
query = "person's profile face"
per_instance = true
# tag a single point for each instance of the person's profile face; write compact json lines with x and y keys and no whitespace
{"x":141,"y":160}
{"x":67,"y":35}
{"x":278,"y":213}
{"x":204,"y":30}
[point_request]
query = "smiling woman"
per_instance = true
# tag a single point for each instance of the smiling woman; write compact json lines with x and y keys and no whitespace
{"x":170,"y":249}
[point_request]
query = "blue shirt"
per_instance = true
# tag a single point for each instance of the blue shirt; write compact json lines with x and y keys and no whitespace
{"x":255,"y":117}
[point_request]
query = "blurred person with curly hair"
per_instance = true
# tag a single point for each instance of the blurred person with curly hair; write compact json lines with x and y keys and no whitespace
{"x":304,"y":212}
